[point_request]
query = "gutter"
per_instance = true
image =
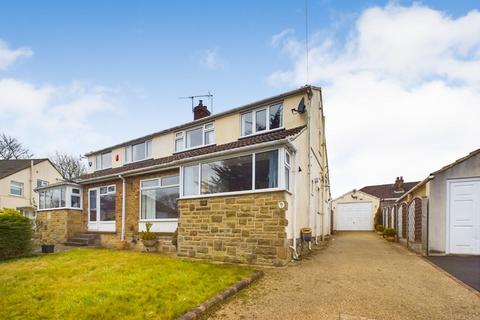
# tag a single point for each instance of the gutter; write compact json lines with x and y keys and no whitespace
{"x":123,"y":207}
{"x":174,"y":163}
{"x":418,"y":185}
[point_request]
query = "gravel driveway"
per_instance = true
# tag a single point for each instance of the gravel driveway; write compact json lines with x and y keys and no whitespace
{"x":357,"y":276}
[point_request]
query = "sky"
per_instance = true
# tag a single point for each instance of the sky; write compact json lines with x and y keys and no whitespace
{"x":400,"y":80}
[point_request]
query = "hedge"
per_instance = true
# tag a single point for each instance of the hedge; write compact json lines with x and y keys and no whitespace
{"x":16,"y":234}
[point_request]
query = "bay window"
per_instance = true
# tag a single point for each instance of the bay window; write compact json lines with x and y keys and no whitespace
{"x":256,"y":171}
{"x":61,"y":197}
{"x":138,"y":152}
{"x":103,"y":161}
{"x":195,"y":137}
{"x":287,"y":170}
{"x":263,"y":119}
{"x":159,"y":198}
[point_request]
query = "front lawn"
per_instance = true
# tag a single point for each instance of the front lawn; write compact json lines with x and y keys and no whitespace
{"x":109,"y":284}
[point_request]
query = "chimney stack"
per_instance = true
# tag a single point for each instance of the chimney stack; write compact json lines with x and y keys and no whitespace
{"x":399,"y":187}
{"x":200,"y":111}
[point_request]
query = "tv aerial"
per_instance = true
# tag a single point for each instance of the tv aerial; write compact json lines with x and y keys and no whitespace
{"x":192,"y":98}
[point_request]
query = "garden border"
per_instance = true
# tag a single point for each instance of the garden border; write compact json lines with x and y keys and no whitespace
{"x":198,"y":311}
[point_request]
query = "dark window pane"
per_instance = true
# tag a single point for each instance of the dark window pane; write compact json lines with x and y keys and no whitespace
{"x":171,"y":180}
{"x":247,"y":123}
{"x":160,"y":203}
{"x":107,"y":207}
{"x":266,"y":170}
{"x":75,"y":201}
{"x":261,"y":120}
{"x":93,"y":205}
{"x":227,"y":175}
{"x":276,"y":116}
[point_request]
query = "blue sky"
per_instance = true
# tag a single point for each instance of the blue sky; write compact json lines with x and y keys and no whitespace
{"x":114,"y":71}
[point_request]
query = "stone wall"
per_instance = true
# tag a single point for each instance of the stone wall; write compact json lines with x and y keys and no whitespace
{"x":56,"y":226}
{"x":240,"y":229}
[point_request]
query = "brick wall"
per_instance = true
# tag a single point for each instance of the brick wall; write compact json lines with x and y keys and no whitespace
{"x":56,"y":226}
{"x":241,"y":229}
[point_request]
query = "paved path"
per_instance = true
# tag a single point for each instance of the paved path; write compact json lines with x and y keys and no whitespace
{"x":358,"y":276}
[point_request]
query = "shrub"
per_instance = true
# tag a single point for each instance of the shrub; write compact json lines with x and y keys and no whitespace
{"x":147,"y":234}
{"x":389,"y":232}
{"x":16,"y":234}
{"x":378,"y":216}
{"x":379,"y":227}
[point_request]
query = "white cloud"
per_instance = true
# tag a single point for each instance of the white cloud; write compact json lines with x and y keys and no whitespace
{"x":9,"y":56}
{"x":48,"y":118}
{"x":277,"y":38}
{"x":402,"y":92}
{"x":212,"y":60}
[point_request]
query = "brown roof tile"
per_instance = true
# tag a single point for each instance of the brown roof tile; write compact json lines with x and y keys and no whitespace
{"x":9,"y":167}
{"x":247,"y":141}
{"x":387,"y":191}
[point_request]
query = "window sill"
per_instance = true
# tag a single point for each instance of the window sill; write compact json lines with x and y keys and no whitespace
{"x":17,"y":195}
{"x":62,"y":208}
{"x":234,"y":193}
{"x":126,"y":163}
{"x":159,"y":220}
{"x":261,"y":132}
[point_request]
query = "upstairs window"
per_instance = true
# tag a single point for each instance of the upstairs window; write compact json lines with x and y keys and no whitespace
{"x":103,"y":161}
{"x":194,"y":138}
{"x":263,"y":119}
{"x":138,"y":152}
{"x":16,"y":188}
{"x":41,"y":183}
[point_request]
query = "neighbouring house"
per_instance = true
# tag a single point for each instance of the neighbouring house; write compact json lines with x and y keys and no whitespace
{"x":355,"y":210}
{"x":19,"y":178}
{"x":237,"y":186}
{"x":441,"y":214}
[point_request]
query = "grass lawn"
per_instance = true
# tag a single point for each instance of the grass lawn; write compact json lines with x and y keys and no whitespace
{"x":109,"y":284}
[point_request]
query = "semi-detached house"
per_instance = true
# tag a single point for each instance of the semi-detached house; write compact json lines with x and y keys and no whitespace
{"x":237,"y":186}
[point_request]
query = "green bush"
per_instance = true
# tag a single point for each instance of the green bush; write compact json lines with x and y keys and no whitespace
{"x":379,"y":227}
{"x":378,"y":219}
{"x":389,"y":232}
{"x":16,"y":234}
{"x":147,"y":234}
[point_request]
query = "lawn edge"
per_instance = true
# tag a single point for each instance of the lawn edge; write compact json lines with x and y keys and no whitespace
{"x":198,"y":311}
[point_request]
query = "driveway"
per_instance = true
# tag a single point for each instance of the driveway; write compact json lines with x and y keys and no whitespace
{"x":358,"y":276}
{"x":464,"y":268}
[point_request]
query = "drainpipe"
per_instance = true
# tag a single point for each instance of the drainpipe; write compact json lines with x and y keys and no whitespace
{"x":123,"y":207}
{"x":31,"y":183}
{"x":294,"y":213}
{"x":428,"y":227}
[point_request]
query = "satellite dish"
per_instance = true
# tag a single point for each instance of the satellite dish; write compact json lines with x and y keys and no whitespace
{"x":301,"y":106}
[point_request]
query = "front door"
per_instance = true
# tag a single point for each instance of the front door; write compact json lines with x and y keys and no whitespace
{"x":101,"y":209}
{"x":464,"y":216}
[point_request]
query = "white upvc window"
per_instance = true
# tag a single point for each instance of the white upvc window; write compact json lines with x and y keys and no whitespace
{"x":16,"y":188}
{"x":203,"y":135}
{"x":62,"y":197}
{"x":262,"y":120}
{"x":103,"y":161}
{"x":41,"y":183}
{"x":158,"y":198}
{"x":259,"y":171}
{"x":287,"y":169}
{"x":138,"y":152}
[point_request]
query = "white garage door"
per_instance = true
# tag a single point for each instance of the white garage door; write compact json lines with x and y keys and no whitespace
{"x":354,"y":216}
{"x":464,"y":216}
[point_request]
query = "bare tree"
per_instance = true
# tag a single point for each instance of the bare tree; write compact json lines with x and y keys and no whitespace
{"x":70,"y":166}
{"x":11,"y":148}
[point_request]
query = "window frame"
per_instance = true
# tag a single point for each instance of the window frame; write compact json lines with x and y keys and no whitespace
{"x":128,"y":151}
{"x":253,"y":114}
{"x":98,"y":200}
{"x":287,"y":165}
{"x":182,"y":136}
{"x":22,"y":188}
{"x":102,"y":167}
{"x":280,"y":175}
{"x":68,"y":198}
{"x":159,"y":186}
{"x":43,"y":183}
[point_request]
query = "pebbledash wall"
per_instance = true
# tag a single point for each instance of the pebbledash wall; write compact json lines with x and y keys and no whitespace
{"x":247,"y":228}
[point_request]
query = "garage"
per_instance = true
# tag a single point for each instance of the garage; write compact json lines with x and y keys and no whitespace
{"x":354,"y":216}
{"x":463,"y":216}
